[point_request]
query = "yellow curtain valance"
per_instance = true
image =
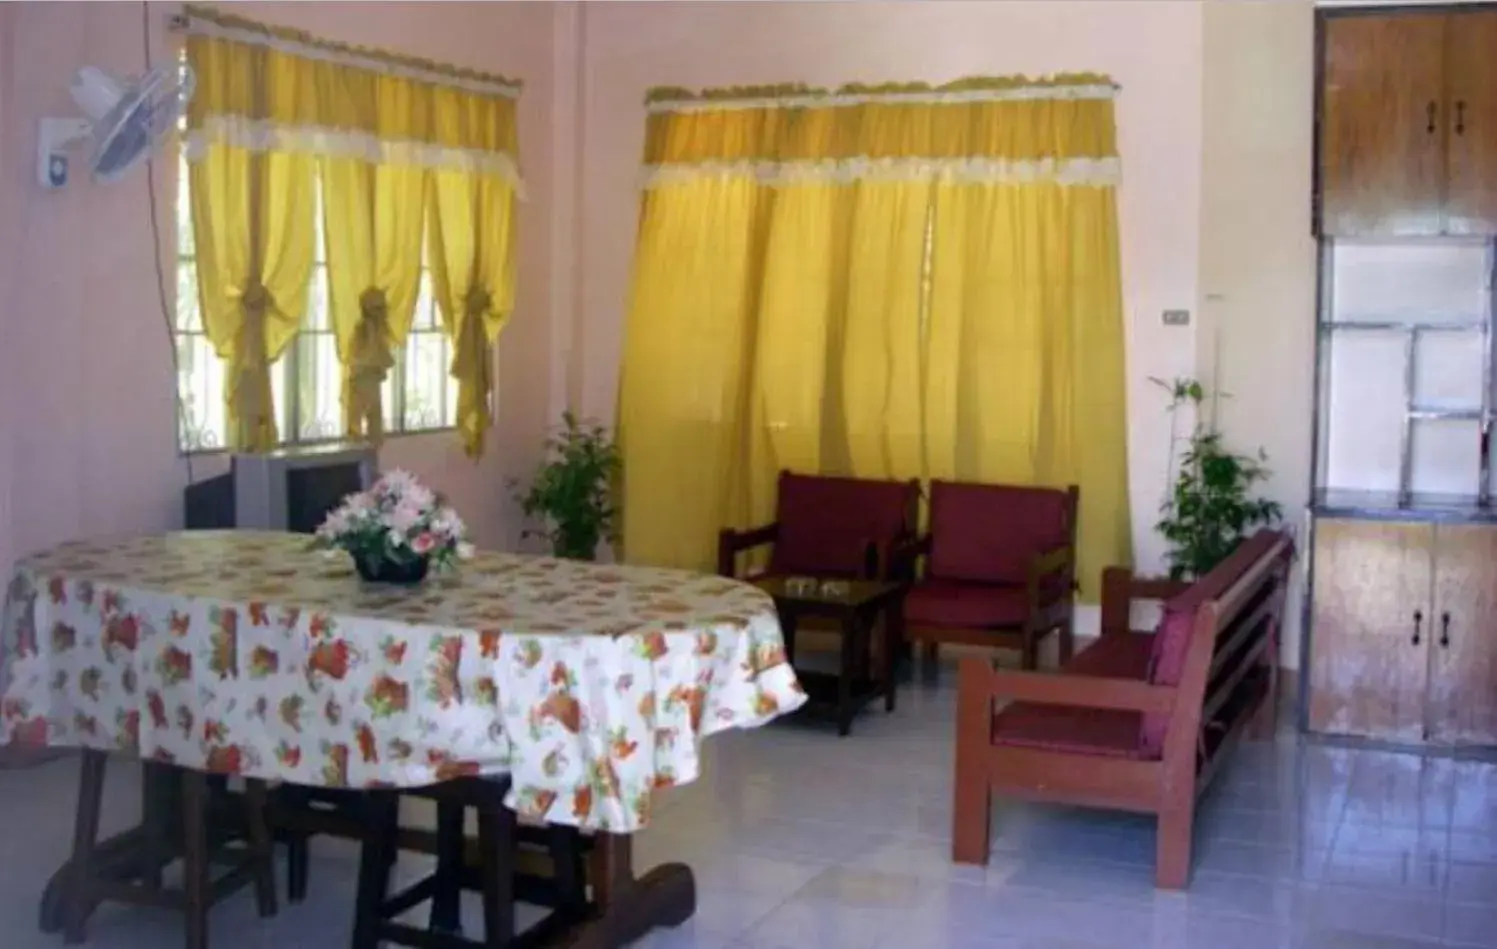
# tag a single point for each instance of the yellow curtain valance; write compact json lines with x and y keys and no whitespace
{"x":981,"y":129}
{"x":262,"y":88}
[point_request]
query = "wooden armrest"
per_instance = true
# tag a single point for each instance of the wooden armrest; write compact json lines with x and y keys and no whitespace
{"x":1049,"y":564}
{"x":1120,"y":588}
{"x":731,"y":543}
{"x":1049,"y":688}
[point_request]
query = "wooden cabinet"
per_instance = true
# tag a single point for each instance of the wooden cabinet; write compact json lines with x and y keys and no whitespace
{"x":1407,"y":123}
{"x":1369,"y":668}
{"x":1471,"y":151}
{"x":1463,"y":637}
{"x":1404,"y":631}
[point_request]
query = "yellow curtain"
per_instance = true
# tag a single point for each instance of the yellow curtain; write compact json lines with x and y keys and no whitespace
{"x":471,"y":234}
{"x":1025,"y":335}
{"x":682,"y":397}
{"x":372,"y":219}
{"x":888,"y":282}
{"x":252,"y":213}
{"x":406,"y":148}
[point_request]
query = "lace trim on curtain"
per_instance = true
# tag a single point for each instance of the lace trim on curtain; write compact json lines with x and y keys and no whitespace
{"x":923,"y":97}
{"x":1096,"y":172}
{"x":262,"y":135}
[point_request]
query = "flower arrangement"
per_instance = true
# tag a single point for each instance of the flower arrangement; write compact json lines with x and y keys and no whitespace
{"x":396,"y":530}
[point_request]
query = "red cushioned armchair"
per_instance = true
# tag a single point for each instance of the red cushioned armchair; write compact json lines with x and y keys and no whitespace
{"x":999,"y":569}
{"x":829,"y":527}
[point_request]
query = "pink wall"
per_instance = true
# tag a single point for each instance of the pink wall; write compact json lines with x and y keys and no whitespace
{"x":9,"y":233}
{"x":1153,"y":49}
{"x":86,"y":411}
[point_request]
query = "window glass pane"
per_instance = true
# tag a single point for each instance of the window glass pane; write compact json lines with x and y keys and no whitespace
{"x":200,"y":386}
{"x":189,"y":318}
{"x":319,"y":393}
{"x":278,"y":372}
{"x":317,"y":318}
{"x":185,"y":244}
{"x":425,"y":368}
{"x":425,"y":317}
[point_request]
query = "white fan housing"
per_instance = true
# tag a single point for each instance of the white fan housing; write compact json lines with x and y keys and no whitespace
{"x":126,"y":118}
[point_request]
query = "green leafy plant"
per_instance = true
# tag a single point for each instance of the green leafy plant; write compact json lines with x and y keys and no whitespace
{"x":573,"y":488}
{"x":1210,"y":505}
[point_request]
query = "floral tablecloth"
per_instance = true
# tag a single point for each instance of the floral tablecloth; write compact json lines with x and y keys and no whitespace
{"x":247,"y":653}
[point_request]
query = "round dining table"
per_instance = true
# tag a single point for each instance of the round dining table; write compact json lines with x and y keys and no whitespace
{"x":251,"y":654}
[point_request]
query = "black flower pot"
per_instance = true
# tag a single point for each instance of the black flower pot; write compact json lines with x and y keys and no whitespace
{"x":400,"y":573}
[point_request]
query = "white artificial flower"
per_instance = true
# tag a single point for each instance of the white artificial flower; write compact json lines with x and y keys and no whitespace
{"x":405,"y":517}
{"x":448,"y":523}
{"x":397,"y":483}
{"x":465,"y":550}
{"x":419,"y":495}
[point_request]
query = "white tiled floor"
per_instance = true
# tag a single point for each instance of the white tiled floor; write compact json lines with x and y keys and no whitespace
{"x":800,"y":839}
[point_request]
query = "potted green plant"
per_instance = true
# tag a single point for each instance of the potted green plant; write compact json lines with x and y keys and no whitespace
{"x":572,"y":491}
{"x":1210,"y":505}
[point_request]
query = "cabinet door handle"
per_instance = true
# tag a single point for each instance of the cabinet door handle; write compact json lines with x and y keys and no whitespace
{"x":1429,"y":112}
{"x":1418,"y":623}
{"x":1460,"y":117}
{"x":1445,"y":630}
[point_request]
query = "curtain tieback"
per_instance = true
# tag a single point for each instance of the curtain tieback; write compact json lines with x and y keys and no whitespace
{"x":250,"y":365}
{"x":470,"y":366}
{"x":470,"y":348}
{"x":369,"y":361}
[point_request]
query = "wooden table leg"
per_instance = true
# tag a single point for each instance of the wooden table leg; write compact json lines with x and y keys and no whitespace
{"x":79,"y":899}
{"x":195,"y":857}
{"x":852,"y":631}
{"x":886,"y":663}
{"x":629,"y":906}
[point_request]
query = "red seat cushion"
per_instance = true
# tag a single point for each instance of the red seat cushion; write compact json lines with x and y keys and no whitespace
{"x":1115,"y":656}
{"x":990,"y":532}
{"x":826,"y":524}
{"x":953,"y":604}
{"x":1102,"y":732}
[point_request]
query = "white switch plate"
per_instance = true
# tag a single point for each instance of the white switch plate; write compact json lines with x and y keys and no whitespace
{"x":1176,"y":317}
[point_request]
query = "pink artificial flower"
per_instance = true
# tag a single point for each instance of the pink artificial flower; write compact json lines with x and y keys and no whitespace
{"x":424,"y":543}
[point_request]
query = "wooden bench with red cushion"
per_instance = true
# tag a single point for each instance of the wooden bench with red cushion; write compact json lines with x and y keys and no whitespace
{"x":1137,"y":721}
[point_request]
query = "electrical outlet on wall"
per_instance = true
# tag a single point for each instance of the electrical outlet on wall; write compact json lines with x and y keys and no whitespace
{"x":1176,"y":318}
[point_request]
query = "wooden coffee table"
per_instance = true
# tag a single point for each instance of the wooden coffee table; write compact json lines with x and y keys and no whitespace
{"x":856,"y":606}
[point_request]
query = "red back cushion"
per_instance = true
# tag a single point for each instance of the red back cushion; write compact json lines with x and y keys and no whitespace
{"x":826,"y":524}
{"x":990,"y":532}
{"x":1172,"y":636}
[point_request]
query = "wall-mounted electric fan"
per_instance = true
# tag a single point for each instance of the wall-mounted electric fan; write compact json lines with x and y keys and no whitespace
{"x":126,"y":119}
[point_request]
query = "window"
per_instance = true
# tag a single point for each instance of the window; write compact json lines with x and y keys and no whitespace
{"x":307,"y":381}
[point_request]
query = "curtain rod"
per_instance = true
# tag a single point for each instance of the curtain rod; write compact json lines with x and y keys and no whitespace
{"x":202,"y":21}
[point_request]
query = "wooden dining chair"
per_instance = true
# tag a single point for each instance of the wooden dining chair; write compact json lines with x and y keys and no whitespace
{"x":491,"y":869}
{"x":242,"y":843}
